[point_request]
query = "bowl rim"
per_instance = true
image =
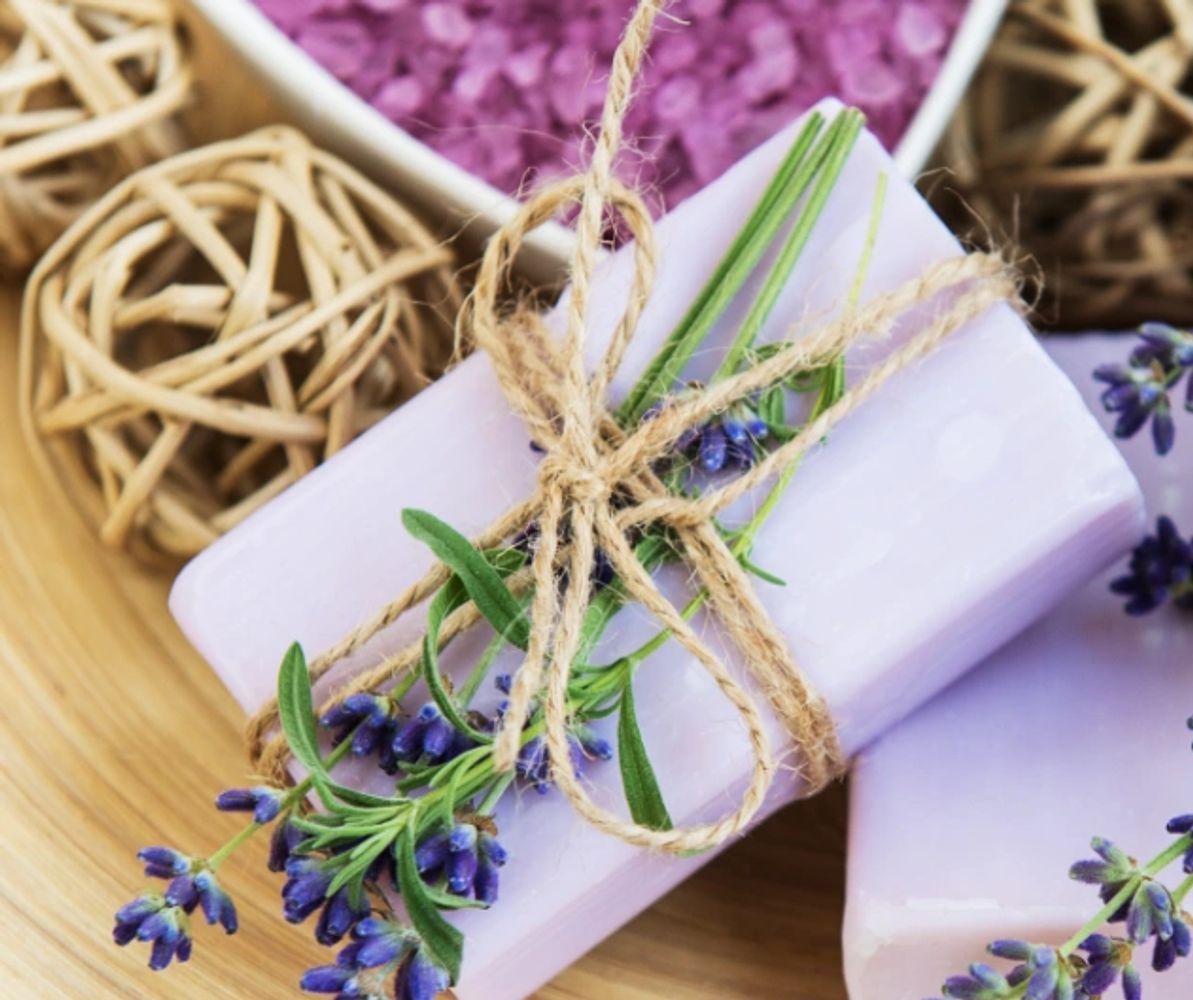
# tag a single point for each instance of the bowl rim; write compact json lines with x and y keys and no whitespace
{"x":339,"y":118}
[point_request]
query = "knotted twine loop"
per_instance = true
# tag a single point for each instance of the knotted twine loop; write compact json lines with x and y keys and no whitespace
{"x":596,"y":485}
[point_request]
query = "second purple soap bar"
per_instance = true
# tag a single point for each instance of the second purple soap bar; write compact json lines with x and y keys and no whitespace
{"x":964,"y":819}
{"x":941,"y":518}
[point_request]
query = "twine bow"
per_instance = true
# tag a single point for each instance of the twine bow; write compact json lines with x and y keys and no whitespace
{"x":596,"y":487}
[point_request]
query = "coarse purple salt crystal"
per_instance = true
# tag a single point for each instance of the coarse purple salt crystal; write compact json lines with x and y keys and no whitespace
{"x":472,"y":82}
{"x":490,"y":47}
{"x":769,"y":74}
{"x":704,"y":8}
{"x":677,"y":99}
{"x":568,"y":75}
{"x":447,"y":24}
{"x":674,"y":51}
{"x":290,"y":15}
{"x":377,"y":6}
{"x":708,"y":149}
{"x":399,"y":97}
{"x":336,"y":44}
{"x":850,"y":47}
{"x":875,"y":84}
{"x":920,"y":31}
{"x":524,"y":69}
{"x":752,"y":14}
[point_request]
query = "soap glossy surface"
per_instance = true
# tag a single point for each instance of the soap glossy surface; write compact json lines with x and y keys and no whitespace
{"x":965,"y":818}
{"x":939,"y":521}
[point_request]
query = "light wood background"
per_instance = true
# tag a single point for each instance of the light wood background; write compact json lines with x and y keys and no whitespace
{"x":114,"y":734}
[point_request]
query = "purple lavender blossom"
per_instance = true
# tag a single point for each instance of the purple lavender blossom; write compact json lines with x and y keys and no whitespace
{"x":379,"y":942}
{"x":262,"y":801}
{"x":1177,"y":945}
{"x":367,"y":718}
{"x":1107,"y":959}
{"x":466,"y":858}
{"x":160,"y":921}
{"x":165,"y":862}
{"x":1183,"y":826}
{"x":306,"y":887}
{"x":1138,"y":391}
{"x":727,"y":441}
{"x":164,"y":919}
{"x":216,"y":904}
{"x":339,"y":916}
{"x":282,"y":844}
{"x":1160,"y":569}
{"x":419,"y":978}
{"x":428,"y":738}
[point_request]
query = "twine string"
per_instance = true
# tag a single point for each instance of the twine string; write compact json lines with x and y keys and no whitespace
{"x":596,"y":487}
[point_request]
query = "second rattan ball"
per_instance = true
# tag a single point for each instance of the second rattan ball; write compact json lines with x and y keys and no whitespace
{"x":219,"y":324}
{"x":1076,"y":140}
{"x":88,"y":94}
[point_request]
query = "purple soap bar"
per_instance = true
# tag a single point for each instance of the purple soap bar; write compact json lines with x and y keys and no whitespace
{"x":969,"y":496}
{"x":965,"y":818}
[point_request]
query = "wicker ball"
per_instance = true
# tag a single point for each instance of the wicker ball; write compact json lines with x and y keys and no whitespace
{"x":90,"y":88}
{"x":216,"y":326}
{"x":1076,"y":140}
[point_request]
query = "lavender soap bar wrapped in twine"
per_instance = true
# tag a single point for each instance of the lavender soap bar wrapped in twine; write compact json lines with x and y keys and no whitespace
{"x":967,"y":492}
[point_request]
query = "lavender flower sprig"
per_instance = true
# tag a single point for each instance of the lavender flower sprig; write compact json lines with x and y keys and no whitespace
{"x":434,"y":840}
{"x":1160,"y":570}
{"x":1138,"y":391}
{"x":1092,"y":962}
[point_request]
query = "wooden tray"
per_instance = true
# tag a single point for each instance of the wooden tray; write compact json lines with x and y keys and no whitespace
{"x":114,"y":735}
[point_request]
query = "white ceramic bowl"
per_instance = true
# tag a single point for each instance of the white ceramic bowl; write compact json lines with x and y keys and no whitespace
{"x":339,"y":120}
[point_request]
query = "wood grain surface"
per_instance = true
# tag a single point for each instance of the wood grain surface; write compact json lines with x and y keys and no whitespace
{"x":114,"y":734}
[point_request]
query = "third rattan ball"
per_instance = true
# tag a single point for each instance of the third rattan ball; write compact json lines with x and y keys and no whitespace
{"x":88,"y":91}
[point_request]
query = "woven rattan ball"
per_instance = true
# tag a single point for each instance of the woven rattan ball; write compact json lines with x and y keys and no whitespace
{"x":216,"y":326}
{"x":1076,"y":140}
{"x":88,"y":91}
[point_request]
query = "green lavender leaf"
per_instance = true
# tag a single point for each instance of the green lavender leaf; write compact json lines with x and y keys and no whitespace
{"x":772,"y":406}
{"x":296,"y":710}
{"x":775,"y":205}
{"x":446,"y":901}
{"x":752,"y":567}
{"x":637,"y":775}
{"x":451,"y":595}
{"x":445,"y":942}
{"x":297,"y":713}
{"x":347,"y":801}
{"x":483,"y":583}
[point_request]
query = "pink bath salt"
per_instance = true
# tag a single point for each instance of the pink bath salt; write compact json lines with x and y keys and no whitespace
{"x":401,"y":96}
{"x":920,"y":31}
{"x":769,"y":74}
{"x":291,"y":15}
{"x":677,"y":99}
{"x":336,"y":44}
{"x":524,"y":69}
{"x":471,"y":83}
{"x":447,"y":24}
{"x":674,"y":50}
{"x":567,"y":78}
{"x":876,"y":84}
{"x":750,"y":14}
{"x":535,"y":72}
{"x":490,"y":47}
{"x":709,"y":150}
